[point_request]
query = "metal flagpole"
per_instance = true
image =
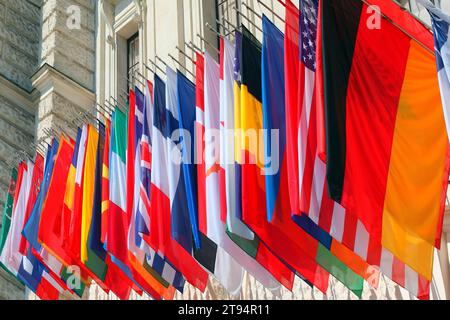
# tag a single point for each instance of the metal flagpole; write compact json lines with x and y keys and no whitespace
{"x":269,"y":9}
{"x":246,"y":18}
{"x":185,"y":54}
{"x":183,"y":67}
{"x":209,"y":44}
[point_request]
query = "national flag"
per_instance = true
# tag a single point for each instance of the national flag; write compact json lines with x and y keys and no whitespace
{"x":30,"y":231}
{"x":118,"y":220}
{"x":281,"y":235}
{"x":185,"y":99}
{"x":160,"y":218}
{"x":153,"y":262}
{"x":57,"y":235}
{"x":326,"y":218}
{"x":227,"y":51}
{"x":382,"y":190}
{"x":200,"y":138}
{"x":36,"y":180}
{"x":273,"y":105}
{"x":89,"y":175}
{"x":226,"y":268}
{"x":139,"y":253}
{"x":291,"y":78}
{"x":105,"y":182}
{"x":116,"y":242}
{"x":7,"y":211}
{"x":31,"y":269}
{"x":10,"y":256}
{"x":95,"y":252}
{"x":72,"y":239}
{"x":441,"y":27}
{"x":238,"y":231}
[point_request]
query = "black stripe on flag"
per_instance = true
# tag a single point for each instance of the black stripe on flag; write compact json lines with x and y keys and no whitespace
{"x":251,"y":64}
{"x":206,"y":254}
{"x":340,"y":23}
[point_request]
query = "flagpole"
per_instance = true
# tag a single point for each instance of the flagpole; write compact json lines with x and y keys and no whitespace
{"x":230,"y":24}
{"x":185,"y":54}
{"x":194,"y":48}
{"x":157,"y":67}
{"x":183,"y":67}
{"x":209,"y":44}
{"x":269,"y":9}
{"x":246,"y":18}
{"x":148,"y":68}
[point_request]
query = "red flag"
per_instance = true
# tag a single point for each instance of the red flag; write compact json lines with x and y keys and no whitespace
{"x":38,"y":173}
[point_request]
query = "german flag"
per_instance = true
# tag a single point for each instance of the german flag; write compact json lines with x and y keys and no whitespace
{"x":386,"y":143}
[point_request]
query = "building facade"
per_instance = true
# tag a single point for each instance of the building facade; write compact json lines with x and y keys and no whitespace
{"x":59,"y":58}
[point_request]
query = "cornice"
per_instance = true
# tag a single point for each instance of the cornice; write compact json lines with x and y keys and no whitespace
{"x":20,"y":97}
{"x":47,"y":80}
{"x":127,"y":20}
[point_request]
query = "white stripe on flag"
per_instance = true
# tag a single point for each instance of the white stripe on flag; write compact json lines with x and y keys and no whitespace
{"x":337,"y":222}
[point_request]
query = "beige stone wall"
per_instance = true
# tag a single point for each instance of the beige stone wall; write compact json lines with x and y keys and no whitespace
{"x":19,"y":58}
{"x":19,"y":40}
{"x":71,"y":51}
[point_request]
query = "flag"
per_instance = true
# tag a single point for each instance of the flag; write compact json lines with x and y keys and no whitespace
{"x":226,"y":269}
{"x":116,"y":242}
{"x":10,"y":256}
{"x":53,"y":267}
{"x":160,"y":217}
{"x":441,"y":23}
{"x":238,"y":231}
{"x":31,"y":269}
{"x":153,"y":262}
{"x":441,"y":27}
{"x":185,"y":103}
{"x":274,"y":119}
{"x":291,"y":75}
{"x":399,"y":202}
{"x":105,"y":182}
{"x":72,"y":238}
{"x":50,"y":219}
{"x":130,"y":156}
{"x":115,"y":279}
{"x":118,"y":220}
{"x":90,"y":162}
{"x":94,"y":250}
{"x":321,"y":217}
{"x":7,"y":211}
{"x":281,"y":235}
{"x":138,"y":255}
{"x":36,"y":180}
{"x":230,"y":221}
{"x":59,"y":227}
{"x":200,"y":138}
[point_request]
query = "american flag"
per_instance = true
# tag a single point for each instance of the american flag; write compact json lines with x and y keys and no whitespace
{"x":314,"y":200}
{"x":308,"y":28}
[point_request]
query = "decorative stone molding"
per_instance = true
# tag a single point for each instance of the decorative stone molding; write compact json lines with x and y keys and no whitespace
{"x":48,"y":80}
{"x":127,"y":20}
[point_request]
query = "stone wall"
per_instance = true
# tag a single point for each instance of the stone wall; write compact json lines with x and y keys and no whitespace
{"x":19,"y":40}
{"x":20,"y":34}
{"x":67,"y":49}
{"x":19,"y":58}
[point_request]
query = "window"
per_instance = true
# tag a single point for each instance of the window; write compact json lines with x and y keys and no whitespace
{"x":132,"y":57}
